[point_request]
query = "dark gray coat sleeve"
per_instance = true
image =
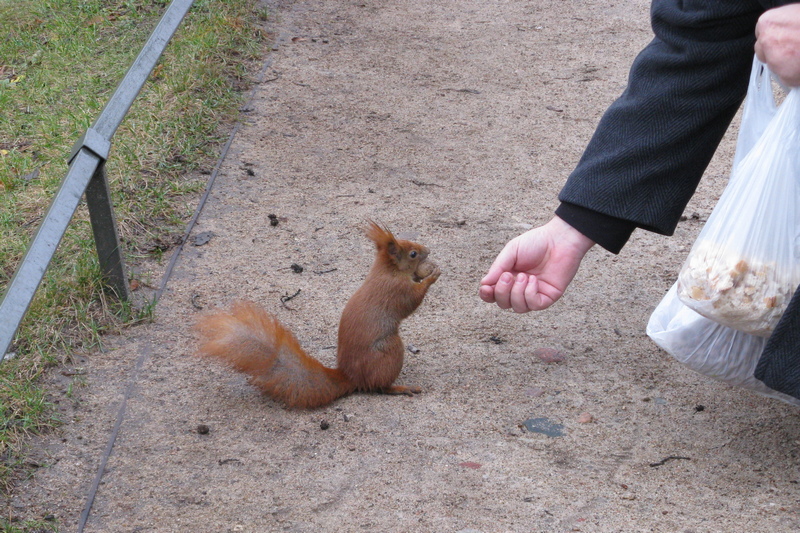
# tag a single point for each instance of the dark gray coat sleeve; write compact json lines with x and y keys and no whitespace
{"x":653,"y":144}
{"x":779,"y":365}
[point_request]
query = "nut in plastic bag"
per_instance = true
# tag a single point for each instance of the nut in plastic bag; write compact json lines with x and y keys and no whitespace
{"x":744,"y":293}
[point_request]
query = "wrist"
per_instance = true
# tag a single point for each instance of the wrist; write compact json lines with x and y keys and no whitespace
{"x":609,"y":232}
{"x":568,"y":235}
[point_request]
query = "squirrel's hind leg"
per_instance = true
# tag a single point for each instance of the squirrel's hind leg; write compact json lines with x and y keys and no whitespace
{"x":399,"y":389}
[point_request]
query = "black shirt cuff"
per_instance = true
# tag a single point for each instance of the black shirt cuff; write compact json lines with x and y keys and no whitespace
{"x":609,"y":232}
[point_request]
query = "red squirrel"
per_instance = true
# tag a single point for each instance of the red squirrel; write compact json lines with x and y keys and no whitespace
{"x":370,"y":352}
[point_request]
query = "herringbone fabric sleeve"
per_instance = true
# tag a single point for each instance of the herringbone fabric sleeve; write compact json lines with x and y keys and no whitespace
{"x":779,"y":366}
{"x":654,"y":142}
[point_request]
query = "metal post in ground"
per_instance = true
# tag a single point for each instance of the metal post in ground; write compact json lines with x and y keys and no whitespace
{"x":86,"y":162}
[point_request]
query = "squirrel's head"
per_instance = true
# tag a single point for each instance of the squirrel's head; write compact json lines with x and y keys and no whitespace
{"x":405,"y":255}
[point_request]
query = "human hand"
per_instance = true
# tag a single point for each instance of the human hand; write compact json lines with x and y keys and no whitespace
{"x":533,"y":269}
{"x":778,"y":42}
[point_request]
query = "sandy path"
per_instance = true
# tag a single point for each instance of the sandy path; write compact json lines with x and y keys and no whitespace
{"x":455,"y":121}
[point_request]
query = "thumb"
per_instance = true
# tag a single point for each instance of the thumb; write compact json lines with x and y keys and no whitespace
{"x":504,"y":262}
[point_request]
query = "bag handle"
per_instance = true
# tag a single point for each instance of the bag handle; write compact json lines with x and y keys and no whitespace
{"x":759,"y":108}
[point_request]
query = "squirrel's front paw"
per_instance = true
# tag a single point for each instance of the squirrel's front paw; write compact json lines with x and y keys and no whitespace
{"x":433,"y":276}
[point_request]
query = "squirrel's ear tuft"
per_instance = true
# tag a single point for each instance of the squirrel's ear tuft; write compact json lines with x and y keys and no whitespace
{"x":381,"y":236}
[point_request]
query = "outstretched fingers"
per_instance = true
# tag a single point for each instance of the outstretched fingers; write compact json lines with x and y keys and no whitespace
{"x":521,"y":293}
{"x":524,"y":292}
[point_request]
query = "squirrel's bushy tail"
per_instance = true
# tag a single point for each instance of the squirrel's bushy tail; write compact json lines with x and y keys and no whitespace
{"x":255,"y":343}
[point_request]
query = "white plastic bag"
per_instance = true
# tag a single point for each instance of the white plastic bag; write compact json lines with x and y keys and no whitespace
{"x":703,"y":345}
{"x":709,"y":348}
{"x":745,"y":265}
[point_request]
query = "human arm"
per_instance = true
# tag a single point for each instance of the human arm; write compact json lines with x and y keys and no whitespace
{"x":778,"y":42}
{"x":653,"y":144}
{"x":533,"y":270}
{"x":648,"y":153}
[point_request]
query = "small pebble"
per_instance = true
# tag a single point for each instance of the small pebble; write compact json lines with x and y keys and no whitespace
{"x":202,"y":429}
{"x":549,"y":355}
{"x":585,"y":418}
{"x":545,"y":426}
{"x":324,"y":425}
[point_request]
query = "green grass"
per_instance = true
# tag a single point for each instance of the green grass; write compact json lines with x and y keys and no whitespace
{"x":60,"y":61}
{"x":28,"y":526}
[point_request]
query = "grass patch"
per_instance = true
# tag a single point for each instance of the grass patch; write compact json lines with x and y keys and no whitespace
{"x":60,"y":61}
{"x":28,"y":526}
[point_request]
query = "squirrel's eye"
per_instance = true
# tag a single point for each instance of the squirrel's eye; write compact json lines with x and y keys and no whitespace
{"x":413,"y":254}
